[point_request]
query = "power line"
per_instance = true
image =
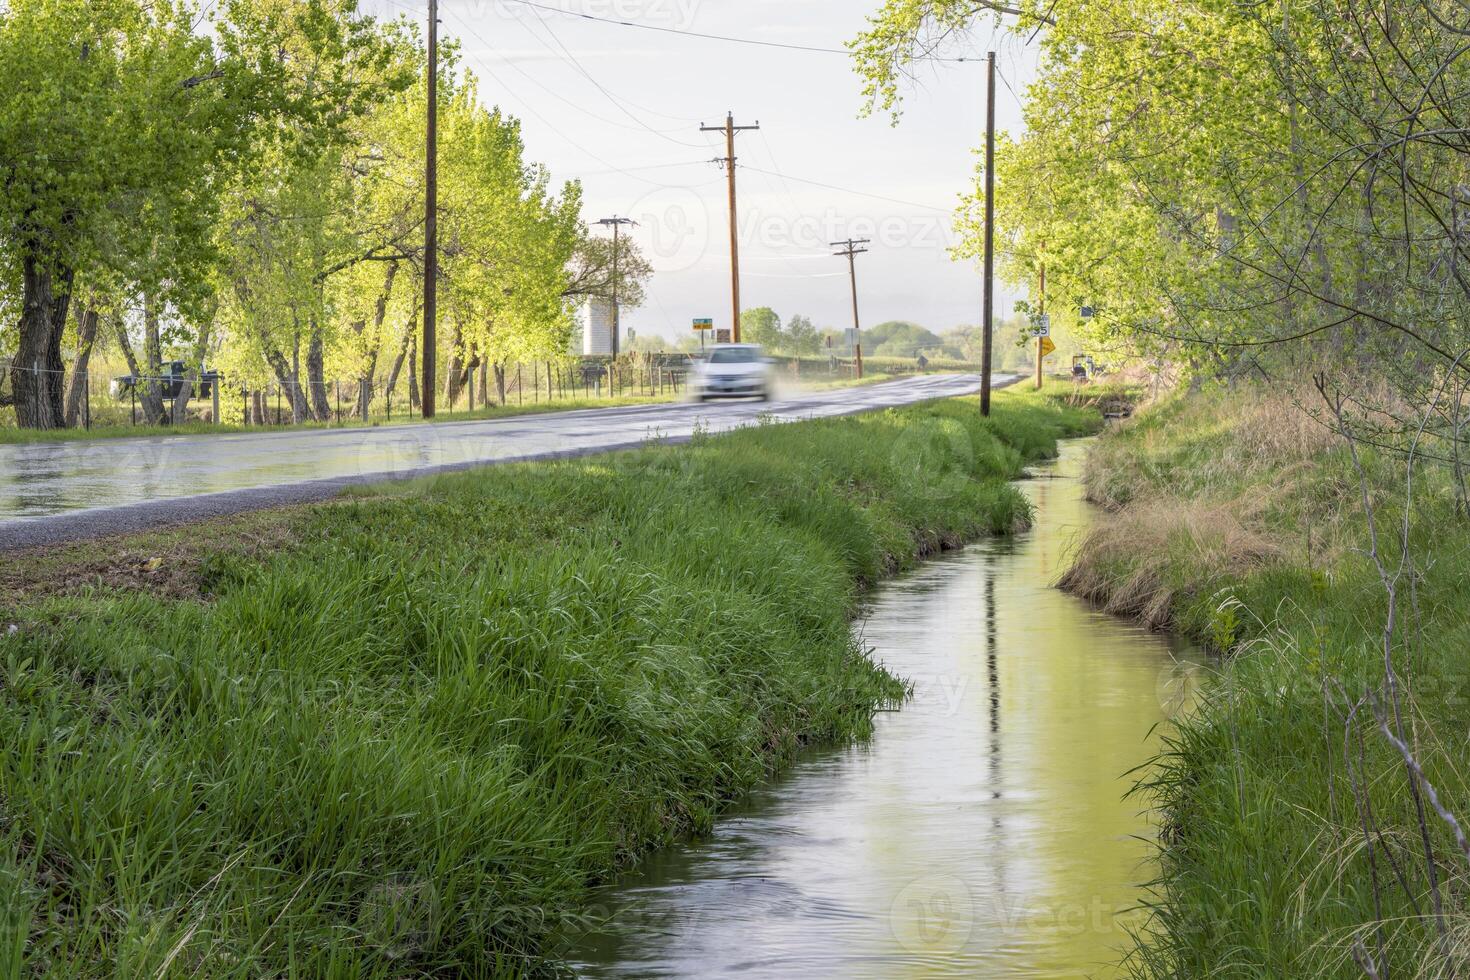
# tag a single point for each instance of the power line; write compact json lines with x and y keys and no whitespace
{"x":572,"y":60}
{"x":1007,"y":84}
{"x":849,"y":190}
{"x":655,"y":166}
{"x":558,"y":131}
{"x":807,"y":48}
{"x":568,"y":55}
{"x":776,"y":164}
{"x":815,"y":275}
{"x":600,"y":117}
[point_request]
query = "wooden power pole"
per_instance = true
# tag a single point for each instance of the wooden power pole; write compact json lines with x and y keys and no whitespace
{"x":988,"y":320}
{"x":730,"y":129}
{"x":851,"y":252}
{"x":431,"y":217}
{"x":1040,"y":340}
{"x":616,"y":224}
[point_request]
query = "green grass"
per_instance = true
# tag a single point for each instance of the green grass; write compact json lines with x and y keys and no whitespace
{"x":409,"y":733}
{"x":1237,"y":520}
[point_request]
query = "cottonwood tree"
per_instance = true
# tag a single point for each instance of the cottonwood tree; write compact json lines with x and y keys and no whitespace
{"x":801,"y":337}
{"x":509,"y":240}
{"x":593,"y":272}
{"x":1217,"y":178}
{"x":311,"y":213}
{"x":122,"y":122}
{"x":113,"y":112}
{"x":761,"y":325}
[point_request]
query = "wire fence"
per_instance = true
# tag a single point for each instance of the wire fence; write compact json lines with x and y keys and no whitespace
{"x":178,"y":396}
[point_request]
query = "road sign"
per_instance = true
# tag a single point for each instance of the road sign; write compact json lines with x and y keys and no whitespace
{"x":1043,"y":326}
{"x":722,"y":335}
{"x":1047,"y":347}
{"x":704,"y":323}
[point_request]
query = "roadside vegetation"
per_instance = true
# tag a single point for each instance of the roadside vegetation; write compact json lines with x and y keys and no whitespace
{"x":404,"y":732}
{"x":1294,"y":842}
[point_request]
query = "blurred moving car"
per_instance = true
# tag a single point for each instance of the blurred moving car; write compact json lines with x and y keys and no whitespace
{"x":733,"y":371}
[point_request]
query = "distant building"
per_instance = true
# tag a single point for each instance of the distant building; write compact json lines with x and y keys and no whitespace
{"x":596,"y":322}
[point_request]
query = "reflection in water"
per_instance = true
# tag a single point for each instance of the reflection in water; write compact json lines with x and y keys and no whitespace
{"x":982,"y":833}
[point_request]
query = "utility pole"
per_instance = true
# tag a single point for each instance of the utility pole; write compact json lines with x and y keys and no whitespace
{"x":730,"y":129}
{"x":431,"y":217}
{"x":616,"y":224}
{"x":1040,"y":355}
{"x":851,"y":252}
{"x":989,"y":318}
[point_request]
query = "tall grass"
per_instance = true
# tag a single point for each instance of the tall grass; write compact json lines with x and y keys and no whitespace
{"x":1291,"y":844}
{"x":410,"y":741}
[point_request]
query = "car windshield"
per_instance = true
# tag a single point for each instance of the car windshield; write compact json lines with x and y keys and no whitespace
{"x":734,"y":355}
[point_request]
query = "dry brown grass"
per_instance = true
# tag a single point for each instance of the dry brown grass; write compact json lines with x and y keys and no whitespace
{"x":1200,"y":489}
{"x":1228,"y":438}
{"x":1137,"y":561}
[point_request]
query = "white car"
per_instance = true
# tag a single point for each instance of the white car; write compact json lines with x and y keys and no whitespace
{"x":733,"y":371}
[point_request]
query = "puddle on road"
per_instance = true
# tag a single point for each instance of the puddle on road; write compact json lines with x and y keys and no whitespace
{"x":981,"y":833}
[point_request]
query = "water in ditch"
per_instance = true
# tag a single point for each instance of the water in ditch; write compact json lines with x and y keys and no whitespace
{"x":983,"y":832}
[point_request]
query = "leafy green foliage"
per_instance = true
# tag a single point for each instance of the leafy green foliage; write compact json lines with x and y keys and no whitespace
{"x":898,"y":338}
{"x":251,"y":173}
{"x":801,"y":337}
{"x":761,"y":326}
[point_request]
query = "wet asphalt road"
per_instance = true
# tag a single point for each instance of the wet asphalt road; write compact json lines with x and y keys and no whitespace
{"x":66,"y":491}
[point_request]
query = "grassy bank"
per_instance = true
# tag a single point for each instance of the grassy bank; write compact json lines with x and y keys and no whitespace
{"x":402,"y":734}
{"x":1293,"y":845}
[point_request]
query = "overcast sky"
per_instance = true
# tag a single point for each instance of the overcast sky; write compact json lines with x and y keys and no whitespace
{"x":620,"y":109}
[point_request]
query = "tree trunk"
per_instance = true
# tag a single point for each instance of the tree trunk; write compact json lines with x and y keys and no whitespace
{"x":413,"y":373}
{"x":316,"y":379}
{"x":398,"y":361}
{"x":149,"y":383}
{"x":298,"y":403}
{"x":461,"y":376}
{"x":126,"y":346}
{"x":76,"y":389}
{"x":36,"y":373}
{"x":290,"y":384}
{"x":454,"y":377}
{"x":500,"y":382}
{"x":194,"y":371}
{"x":380,"y":315}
